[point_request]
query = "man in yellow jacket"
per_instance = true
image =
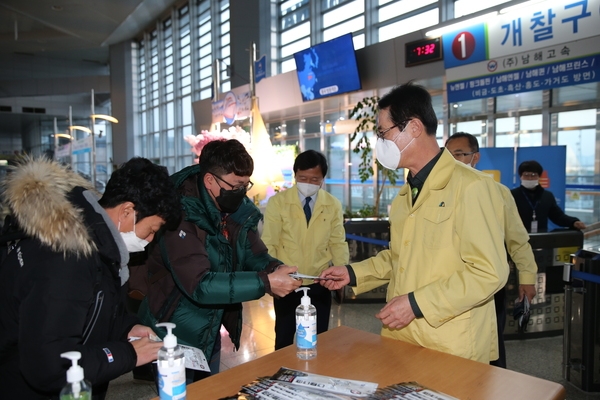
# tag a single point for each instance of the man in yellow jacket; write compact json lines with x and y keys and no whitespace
{"x":446,"y":258}
{"x":465,"y":149}
{"x":304,"y":227}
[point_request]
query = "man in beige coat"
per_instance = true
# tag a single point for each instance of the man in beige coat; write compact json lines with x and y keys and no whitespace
{"x":304,"y":227}
{"x":446,"y":258}
{"x":465,"y":148}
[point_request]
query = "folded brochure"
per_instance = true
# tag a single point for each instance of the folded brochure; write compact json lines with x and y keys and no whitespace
{"x":289,"y":384}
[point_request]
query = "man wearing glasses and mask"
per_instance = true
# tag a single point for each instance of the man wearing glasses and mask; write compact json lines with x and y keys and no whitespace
{"x":200,"y":273}
{"x":446,"y":258}
{"x":465,"y":148}
{"x":304,"y":226}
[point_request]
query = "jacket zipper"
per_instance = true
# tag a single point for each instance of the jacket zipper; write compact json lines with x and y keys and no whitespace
{"x":97,"y":308}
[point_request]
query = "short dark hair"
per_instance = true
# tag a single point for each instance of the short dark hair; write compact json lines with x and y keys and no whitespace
{"x":530,"y":166}
{"x":473,"y":143}
{"x":410,"y":101}
{"x":147,"y":186}
{"x":222,"y":157}
{"x":310,"y":159}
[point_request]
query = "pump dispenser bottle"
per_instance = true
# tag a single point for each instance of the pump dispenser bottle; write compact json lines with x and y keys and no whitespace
{"x":306,"y":327}
{"x":77,"y":388}
{"x":171,"y":367}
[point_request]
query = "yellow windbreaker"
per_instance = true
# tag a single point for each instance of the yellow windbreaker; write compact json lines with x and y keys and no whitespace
{"x":447,"y":248}
{"x":311,"y":248}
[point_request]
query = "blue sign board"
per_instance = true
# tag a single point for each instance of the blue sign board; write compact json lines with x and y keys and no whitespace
{"x":260,"y":68}
{"x":549,"y":76}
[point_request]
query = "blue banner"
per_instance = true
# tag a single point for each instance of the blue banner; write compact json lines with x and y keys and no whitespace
{"x":498,"y":161}
{"x":260,"y":69}
{"x":548,"y":76}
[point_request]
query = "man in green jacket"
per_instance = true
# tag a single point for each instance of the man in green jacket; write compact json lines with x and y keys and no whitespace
{"x":200,"y":273}
{"x":304,"y":226}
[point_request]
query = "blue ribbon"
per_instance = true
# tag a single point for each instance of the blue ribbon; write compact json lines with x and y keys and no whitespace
{"x":367,"y":240}
{"x":584,"y":276}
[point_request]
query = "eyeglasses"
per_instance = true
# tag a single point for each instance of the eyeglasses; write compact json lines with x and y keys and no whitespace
{"x":238,"y":189}
{"x":460,"y":154}
{"x":380,"y":134}
{"x":530,"y":174}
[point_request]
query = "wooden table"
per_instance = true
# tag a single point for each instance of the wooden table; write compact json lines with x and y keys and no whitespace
{"x":348,"y":353}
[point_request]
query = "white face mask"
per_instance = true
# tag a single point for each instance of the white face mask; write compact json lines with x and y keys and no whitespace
{"x":133,"y":243}
{"x":307,"y":189}
{"x":388,"y":154}
{"x":529,"y":184}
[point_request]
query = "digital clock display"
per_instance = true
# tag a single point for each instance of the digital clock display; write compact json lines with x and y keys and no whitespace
{"x":423,"y":51}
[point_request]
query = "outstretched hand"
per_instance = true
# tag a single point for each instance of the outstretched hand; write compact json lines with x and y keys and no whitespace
{"x":335,"y":277}
{"x":281,"y":282}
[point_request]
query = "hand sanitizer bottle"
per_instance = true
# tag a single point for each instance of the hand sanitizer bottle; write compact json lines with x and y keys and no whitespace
{"x":77,"y":388}
{"x":306,"y":327}
{"x":171,"y":367}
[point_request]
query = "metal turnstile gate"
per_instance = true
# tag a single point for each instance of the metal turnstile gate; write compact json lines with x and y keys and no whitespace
{"x":581,"y":340}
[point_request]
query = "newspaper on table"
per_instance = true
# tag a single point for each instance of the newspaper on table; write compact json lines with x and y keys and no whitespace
{"x":325,"y":383}
{"x":289,"y":384}
{"x":409,"y":390}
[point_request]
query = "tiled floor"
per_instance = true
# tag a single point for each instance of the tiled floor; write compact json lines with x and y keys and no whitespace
{"x":537,"y":357}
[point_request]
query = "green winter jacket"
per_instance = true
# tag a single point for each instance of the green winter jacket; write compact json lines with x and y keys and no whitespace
{"x":217,"y":273}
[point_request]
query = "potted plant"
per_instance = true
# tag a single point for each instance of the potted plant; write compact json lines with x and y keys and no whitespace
{"x":365,"y":113}
{"x":375,"y":231}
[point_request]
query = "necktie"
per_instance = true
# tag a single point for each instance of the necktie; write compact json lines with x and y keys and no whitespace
{"x":307,"y":211}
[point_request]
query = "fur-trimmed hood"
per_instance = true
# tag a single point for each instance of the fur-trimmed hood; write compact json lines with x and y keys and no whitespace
{"x":36,"y":194}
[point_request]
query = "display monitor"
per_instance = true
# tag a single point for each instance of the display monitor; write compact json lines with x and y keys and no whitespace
{"x":327,"y":69}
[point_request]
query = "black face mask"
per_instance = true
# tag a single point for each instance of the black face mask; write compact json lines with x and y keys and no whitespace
{"x":230,"y":200}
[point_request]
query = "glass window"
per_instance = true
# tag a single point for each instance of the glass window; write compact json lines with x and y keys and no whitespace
{"x":293,"y":12}
{"x":312,"y":144}
{"x":296,"y":33}
{"x":401,"y":7}
{"x":170,"y":142}
{"x":295,"y":47}
{"x":468,"y":108}
{"x":288,"y":65}
{"x":336,"y":147}
{"x":347,"y":11}
{"x":359,"y":41}
{"x":355,"y":24}
{"x":507,"y":134}
{"x":464,"y":7}
{"x":519,"y":101}
{"x":575,"y":94}
{"x":402,"y":27}
{"x":170,"y":115}
{"x":186,"y":110}
{"x":577,"y":118}
{"x":577,"y":131}
{"x":530,"y":122}
{"x":475,"y":128}
{"x":327,"y":4}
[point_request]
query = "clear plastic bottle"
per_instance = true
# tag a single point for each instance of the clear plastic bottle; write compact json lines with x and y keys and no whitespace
{"x":77,"y":388}
{"x":171,"y":367}
{"x":306,"y":327}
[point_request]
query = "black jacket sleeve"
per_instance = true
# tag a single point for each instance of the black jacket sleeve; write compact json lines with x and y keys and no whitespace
{"x":556,"y":214}
{"x":57,"y":302}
